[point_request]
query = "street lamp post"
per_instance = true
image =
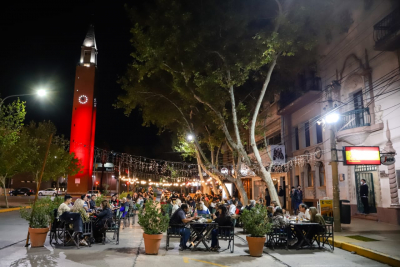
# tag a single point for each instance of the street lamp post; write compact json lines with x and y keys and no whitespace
{"x":331,"y":119}
{"x":40,"y":93}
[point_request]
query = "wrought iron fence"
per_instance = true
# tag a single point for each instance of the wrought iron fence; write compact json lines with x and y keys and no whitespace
{"x":387,"y":26}
{"x":355,"y":118}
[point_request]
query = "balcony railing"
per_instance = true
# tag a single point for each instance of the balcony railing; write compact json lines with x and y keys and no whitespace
{"x":387,"y":32}
{"x":355,"y":118}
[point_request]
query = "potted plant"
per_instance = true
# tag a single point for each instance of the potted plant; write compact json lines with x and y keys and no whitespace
{"x":153,"y":223}
{"x":155,"y":196}
{"x":39,"y":216}
{"x":255,"y":221}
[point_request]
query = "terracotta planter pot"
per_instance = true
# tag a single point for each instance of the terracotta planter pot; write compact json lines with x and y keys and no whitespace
{"x":256,"y":245}
{"x":154,"y":198}
{"x":38,"y":236}
{"x":152,"y":243}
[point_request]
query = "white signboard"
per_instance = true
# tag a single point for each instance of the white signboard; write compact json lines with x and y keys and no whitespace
{"x":278,"y":154}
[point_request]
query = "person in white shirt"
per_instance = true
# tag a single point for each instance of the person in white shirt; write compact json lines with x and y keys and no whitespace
{"x":176,"y":206}
{"x":232,"y":208}
{"x":65,"y":205}
{"x":304,"y":212}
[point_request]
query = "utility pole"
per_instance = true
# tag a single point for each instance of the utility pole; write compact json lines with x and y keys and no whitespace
{"x":334,"y":165}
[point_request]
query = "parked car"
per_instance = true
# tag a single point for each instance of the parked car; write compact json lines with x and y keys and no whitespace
{"x":25,"y":191}
{"x":94,"y":192}
{"x":50,"y":192}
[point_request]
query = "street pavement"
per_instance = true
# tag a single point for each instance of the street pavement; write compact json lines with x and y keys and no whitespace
{"x":130,"y":252}
{"x":387,"y":236}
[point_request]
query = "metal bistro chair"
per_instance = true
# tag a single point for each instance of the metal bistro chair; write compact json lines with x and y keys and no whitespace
{"x":173,"y":232}
{"x":56,"y":230}
{"x":278,"y":236}
{"x":87,"y":230}
{"x":112,"y":225}
{"x":325,"y":235}
{"x":227,"y":233}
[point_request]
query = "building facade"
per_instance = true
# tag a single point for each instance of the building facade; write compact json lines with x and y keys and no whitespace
{"x":360,"y":78}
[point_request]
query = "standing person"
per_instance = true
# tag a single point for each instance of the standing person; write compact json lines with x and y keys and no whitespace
{"x":281,"y":195}
{"x":298,"y":196}
{"x":267,"y":197}
{"x":364,"y":195}
{"x":293,"y":199}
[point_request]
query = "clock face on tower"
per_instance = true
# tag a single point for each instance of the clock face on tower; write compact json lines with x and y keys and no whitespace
{"x":83,"y":99}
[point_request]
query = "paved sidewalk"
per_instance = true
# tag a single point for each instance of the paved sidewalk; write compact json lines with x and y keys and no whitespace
{"x":130,"y":252}
{"x":387,"y":236}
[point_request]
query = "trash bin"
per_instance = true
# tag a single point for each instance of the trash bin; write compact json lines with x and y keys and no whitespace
{"x":345,"y":211}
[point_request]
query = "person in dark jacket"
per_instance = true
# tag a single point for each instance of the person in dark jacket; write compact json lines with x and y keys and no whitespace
{"x":267,"y":197}
{"x":281,"y":195}
{"x":298,"y":195}
{"x":223,"y":219}
{"x":364,"y":195}
{"x":293,"y":199}
{"x":102,"y":218}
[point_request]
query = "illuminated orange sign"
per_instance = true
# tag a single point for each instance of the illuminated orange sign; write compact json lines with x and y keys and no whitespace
{"x":362,"y":155}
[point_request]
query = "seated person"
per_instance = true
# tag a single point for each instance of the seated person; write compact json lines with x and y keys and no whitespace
{"x":176,"y":205}
{"x":270,"y":213}
{"x":65,"y":205}
{"x":304,"y":212}
{"x":315,"y":217}
{"x":278,"y":219}
{"x":232,"y":208}
{"x":92,"y":202}
{"x":179,"y":218}
{"x":251,"y":205}
{"x":86,"y":204}
{"x":101,"y":219}
{"x":223,"y":220}
{"x":201,"y":208}
{"x":114,"y":201}
{"x":78,"y":208}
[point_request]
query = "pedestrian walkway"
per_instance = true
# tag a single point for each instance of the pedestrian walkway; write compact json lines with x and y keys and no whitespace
{"x":378,"y":237}
{"x":130,"y":252}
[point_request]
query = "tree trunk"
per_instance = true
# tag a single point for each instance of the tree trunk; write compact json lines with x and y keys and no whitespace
{"x":266,"y":176}
{"x":3,"y":182}
{"x":243,"y":194}
{"x":203,"y":183}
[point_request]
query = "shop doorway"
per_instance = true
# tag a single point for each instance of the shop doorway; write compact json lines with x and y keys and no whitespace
{"x":367,"y":176}
{"x":247,"y":184}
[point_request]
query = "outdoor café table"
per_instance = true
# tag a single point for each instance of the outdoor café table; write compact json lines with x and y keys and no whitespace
{"x":201,"y":231}
{"x":303,"y":228}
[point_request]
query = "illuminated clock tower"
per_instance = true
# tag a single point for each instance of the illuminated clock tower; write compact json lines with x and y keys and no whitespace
{"x":83,"y":124}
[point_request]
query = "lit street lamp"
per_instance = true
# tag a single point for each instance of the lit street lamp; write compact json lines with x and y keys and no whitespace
{"x":190,"y":137}
{"x":40,"y":93}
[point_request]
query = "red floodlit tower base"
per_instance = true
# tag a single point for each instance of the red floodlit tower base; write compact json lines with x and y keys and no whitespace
{"x":83,"y":124}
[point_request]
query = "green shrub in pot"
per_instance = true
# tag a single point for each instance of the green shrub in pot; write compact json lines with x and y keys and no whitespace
{"x":255,"y":221}
{"x":151,"y":218}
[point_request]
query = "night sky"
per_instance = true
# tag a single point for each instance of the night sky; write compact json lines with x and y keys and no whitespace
{"x":41,"y":46}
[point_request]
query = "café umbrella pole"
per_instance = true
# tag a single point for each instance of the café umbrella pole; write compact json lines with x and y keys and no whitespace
{"x":38,"y":184}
